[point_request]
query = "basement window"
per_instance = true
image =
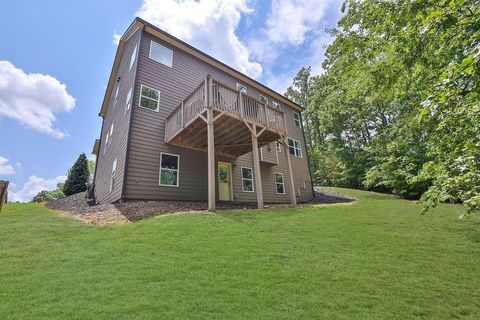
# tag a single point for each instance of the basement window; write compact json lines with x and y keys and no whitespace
{"x":294,"y":147}
{"x":112,"y":176}
{"x":161,"y":54}
{"x":149,"y":98}
{"x":296,"y":119}
{"x":247,"y":179}
{"x":169,"y":164}
{"x":279,"y":184}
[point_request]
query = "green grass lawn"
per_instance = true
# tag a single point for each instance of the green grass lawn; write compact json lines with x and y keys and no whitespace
{"x":377,"y":258}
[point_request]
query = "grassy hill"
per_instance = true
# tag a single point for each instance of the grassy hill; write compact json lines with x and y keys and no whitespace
{"x":376,"y":258}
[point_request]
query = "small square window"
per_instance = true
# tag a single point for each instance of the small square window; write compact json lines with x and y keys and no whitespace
{"x":169,"y":168}
{"x":241,"y":88}
{"x":276,"y":105}
{"x":161,"y":54}
{"x":279,"y":146}
{"x":149,"y":98}
{"x":296,"y":119}
{"x":279,"y":184}
{"x":247,"y":179}
{"x":263,"y":98}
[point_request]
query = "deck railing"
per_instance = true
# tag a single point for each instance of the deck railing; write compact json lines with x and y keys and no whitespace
{"x":214,"y":94}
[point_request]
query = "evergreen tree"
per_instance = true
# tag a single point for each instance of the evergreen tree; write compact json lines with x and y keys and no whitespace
{"x":78,"y":176}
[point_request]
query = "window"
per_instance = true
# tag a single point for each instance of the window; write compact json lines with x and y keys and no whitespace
{"x":241,"y":88}
{"x":111,"y":135}
{"x":112,"y":176}
{"x":276,"y":105}
{"x":279,"y":146}
{"x":296,"y":119}
{"x":116,"y":95}
{"x":169,"y":170}
{"x":132,"y":58}
{"x":129,"y":100}
{"x":294,"y":147}
{"x":247,"y":179}
{"x":263,"y":98}
{"x":106,"y":142}
{"x":279,"y":184}
{"x":149,"y":98}
{"x":161,"y":54}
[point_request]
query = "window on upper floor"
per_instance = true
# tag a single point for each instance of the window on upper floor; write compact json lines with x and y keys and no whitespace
{"x":296,"y":119}
{"x":132,"y":58}
{"x":294,"y":147}
{"x":116,"y":95}
{"x":149,"y":98}
{"x":161,"y":54}
{"x":276,"y":105}
{"x":263,"y":98}
{"x":169,"y":168}
{"x":129,"y":100}
{"x":112,"y":175}
{"x":241,"y":88}
{"x":247,"y":179}
{"x":111,"y":134}
{"x":279,"y":184}
{"x":278,"y":146}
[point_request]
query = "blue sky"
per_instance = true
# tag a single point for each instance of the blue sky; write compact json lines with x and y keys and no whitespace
{"x":56,"y":56}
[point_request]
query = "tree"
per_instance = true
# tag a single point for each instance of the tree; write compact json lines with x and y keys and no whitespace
{"x":48,"y":196}
{"x":78,"y":176}
{"x":398,"y":105}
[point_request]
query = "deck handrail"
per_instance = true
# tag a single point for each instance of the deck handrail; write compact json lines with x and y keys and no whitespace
{"x":223,"y":98}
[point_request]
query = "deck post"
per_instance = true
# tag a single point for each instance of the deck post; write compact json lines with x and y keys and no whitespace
{"x":256,"y":165}
{"x":211,"y":147}
{"x":293,"y":197}
{"x":240,"y":101}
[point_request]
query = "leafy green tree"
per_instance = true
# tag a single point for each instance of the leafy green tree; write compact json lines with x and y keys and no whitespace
{"x":78,"y":176}
{"x":48,"y":196}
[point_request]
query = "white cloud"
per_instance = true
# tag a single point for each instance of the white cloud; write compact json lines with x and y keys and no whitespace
{"x":5,"y":167}
{"x":33,"y":99}
{"x":116,"y":38}
{"x":290,"y":21}
{"x":33,"y":186}
{"x":208,"y":25}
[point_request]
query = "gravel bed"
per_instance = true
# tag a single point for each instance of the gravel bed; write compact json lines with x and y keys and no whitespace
{"x":78,"y":207}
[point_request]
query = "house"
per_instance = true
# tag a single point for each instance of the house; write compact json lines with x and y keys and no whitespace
{"x":181,"y":125}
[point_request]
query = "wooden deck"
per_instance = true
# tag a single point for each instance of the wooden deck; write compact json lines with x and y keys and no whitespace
{"x":3,"y":192}
{"x":234,"y":114}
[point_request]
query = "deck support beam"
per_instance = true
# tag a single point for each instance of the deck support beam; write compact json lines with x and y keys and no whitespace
{"x":256,"y":165}
{"x":210,"y":148}
{"x":286,"y":151}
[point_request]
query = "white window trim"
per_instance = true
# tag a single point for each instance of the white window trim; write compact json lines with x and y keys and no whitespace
{"x":150,"y":54}
{"x":283,"y":182}
{"x":295,"y":120}
{"x":239,"y":86}
{"x":116,"y":95}
{"x":260,"y":96}
{"x":276,"y":105}
{"x":133,"y":57}
{"x":299,"y":148}
{"x":160,"y":171}
{"x":253,"y":177}
{"x":140,"y":98}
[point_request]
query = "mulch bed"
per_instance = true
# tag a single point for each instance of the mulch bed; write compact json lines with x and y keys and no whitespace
{"x":78,"y":207}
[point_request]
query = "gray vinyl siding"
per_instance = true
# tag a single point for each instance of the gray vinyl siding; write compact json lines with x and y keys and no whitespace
{"x":121,"y":119}
{"x":147,"y":138}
